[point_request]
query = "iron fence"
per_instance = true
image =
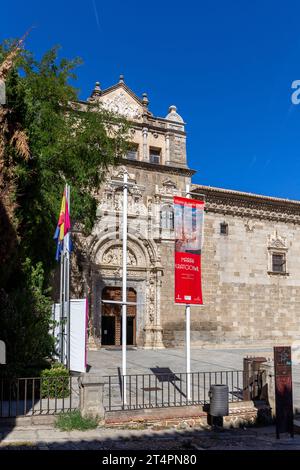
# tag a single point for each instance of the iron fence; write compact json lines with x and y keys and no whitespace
{"x":168,"y":389}
{"x":38,"y":396}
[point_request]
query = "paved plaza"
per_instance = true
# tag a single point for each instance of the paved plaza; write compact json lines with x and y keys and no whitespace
{"x":153,"y":437}
{"x":141,"y":361}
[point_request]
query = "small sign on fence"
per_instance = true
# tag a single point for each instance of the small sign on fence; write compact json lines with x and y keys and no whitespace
{"x":283,"y":390}
{"x":2,"y":352}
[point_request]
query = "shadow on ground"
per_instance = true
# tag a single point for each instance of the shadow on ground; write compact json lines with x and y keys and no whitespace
{"x":159,"y":439}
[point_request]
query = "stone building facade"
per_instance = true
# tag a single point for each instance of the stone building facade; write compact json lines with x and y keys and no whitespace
{"x":250,"y":269}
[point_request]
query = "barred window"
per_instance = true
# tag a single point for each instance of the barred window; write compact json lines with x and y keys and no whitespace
{"x":224,"y":228}
{"x":167,"y":218}
{"x":154,"y":155}
{"x":132,"y":153}
{"x":278,"y":263}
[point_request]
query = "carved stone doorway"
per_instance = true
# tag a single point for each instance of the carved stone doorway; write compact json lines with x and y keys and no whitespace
{"x":111,"y":318}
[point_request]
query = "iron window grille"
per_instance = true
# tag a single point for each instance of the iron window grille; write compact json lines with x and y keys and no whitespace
{"x":132,"y":154}
{"x":224,"y":228}
{"x":154,"y":155}
{"x":278,"y":262}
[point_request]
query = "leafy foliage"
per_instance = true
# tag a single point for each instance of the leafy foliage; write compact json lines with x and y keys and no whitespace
{"x":55,"y":382}
{"x":74,"y":420}
{"x":25,"y":319}
{"x":47,"y":138}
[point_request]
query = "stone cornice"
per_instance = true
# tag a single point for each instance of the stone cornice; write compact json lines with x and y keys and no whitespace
{"x":248,"y":205}
{"x":158,"y":129}
{"x":150,"y":121}
{"x":172,"y":170}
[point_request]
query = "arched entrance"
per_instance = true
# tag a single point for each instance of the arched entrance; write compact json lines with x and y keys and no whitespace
{"x":111,"y":318}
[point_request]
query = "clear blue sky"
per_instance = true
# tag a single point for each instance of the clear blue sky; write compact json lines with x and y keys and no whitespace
{"x":227,"y":65}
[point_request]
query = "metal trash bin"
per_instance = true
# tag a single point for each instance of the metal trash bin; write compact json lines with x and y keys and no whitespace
{"x":219,"y":396}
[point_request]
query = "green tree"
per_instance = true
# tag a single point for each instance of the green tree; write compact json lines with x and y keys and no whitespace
{"x":47,"y":137}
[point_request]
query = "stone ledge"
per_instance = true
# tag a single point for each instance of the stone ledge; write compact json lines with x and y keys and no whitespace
{"x":240,"y":414}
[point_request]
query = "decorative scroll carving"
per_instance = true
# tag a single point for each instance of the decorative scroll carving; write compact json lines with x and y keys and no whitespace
{"x":112,"y":200}
{"x":113,"y":256}
{"x":277,"y":242}
{"x":250,"y":225}
{"x":120,"y":104}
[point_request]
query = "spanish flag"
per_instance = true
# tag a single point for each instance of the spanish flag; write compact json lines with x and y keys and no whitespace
{"x":63,"y":226}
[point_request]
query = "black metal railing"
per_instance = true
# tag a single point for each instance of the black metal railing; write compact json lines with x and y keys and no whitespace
{"x":38,"y":396}
{"x":167,"y":389}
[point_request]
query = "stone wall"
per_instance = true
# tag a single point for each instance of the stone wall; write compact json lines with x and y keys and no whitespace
{"x":243,"y":302}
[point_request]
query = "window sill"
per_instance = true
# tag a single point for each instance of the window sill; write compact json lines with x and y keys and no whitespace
{"x":275,"y":273}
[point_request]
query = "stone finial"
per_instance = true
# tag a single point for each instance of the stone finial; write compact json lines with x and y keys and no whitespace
{"x":96,"y":91}
{"x":173,"y":115}
{"x":145,"y":100}
{"x":121,"y":79}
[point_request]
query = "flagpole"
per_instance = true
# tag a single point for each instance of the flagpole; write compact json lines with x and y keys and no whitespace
{"x":61,"y":298}
{"x":188,"y":332}
{"x":124,"y":285}
{"x":64,"y":305}
{"x":67,"y":293}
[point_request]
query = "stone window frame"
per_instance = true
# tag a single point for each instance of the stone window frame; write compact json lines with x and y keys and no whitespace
{"x":155,"y":152}
{"x":277,"y":251}
{"x":167,"y":209}
{"x":134,"y":149}
{"x":224,"y":225}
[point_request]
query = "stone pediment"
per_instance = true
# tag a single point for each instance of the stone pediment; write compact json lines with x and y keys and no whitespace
{"x":276,"y":241}
{"x":120,"y":101}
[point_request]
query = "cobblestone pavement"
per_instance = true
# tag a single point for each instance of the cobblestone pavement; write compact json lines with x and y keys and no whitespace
{"x":48,"y":438}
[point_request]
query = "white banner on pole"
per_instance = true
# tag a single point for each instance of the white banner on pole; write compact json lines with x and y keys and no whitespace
{"x":78,"y":333}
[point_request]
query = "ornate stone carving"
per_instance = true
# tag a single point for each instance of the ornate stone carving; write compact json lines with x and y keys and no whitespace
{"x":243,"y":211}
{"x":277,"y":242}
{"x":112,"y":200}
{"x":151,"y":313}
{"x":113,"y":256}
{"x":120,"y":104}
{"x":250,"y":225}
{"x":169,"y":188}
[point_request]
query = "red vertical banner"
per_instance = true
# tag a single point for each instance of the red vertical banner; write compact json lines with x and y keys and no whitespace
{"x":188,"y":218}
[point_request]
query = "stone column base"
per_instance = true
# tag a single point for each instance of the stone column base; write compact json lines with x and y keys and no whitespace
{"x":91,"y":395}
{"x":153,"y":338}
{"x":92,"y":345}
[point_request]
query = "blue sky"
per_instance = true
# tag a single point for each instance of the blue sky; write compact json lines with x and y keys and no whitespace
{"x":227,"y":65}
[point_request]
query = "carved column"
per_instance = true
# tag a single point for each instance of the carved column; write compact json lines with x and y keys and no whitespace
{"x":167,"y":148}
{"x":145,"y":144}
{"x":158,"y":342}
{"x":153,"y":330}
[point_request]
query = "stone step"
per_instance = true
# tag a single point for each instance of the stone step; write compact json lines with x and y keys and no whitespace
{"x":297,"y":424}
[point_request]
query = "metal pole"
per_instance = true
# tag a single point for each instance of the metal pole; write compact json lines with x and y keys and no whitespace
{"x":124,"y":285}
{"x":67,"y":242}
{"x":188,"y":333}
{"x":64,"y":296}
{"x":188,"y":349}
{"x":61,"y":306}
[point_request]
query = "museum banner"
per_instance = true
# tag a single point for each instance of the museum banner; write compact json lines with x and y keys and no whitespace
{"x":188,"y":218}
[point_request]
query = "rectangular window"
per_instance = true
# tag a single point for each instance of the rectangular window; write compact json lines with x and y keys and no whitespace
{"x":132,"y":153}
{"x":154,"y":155}
{"x":278,"y":263}
{"x":224,"y":228}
